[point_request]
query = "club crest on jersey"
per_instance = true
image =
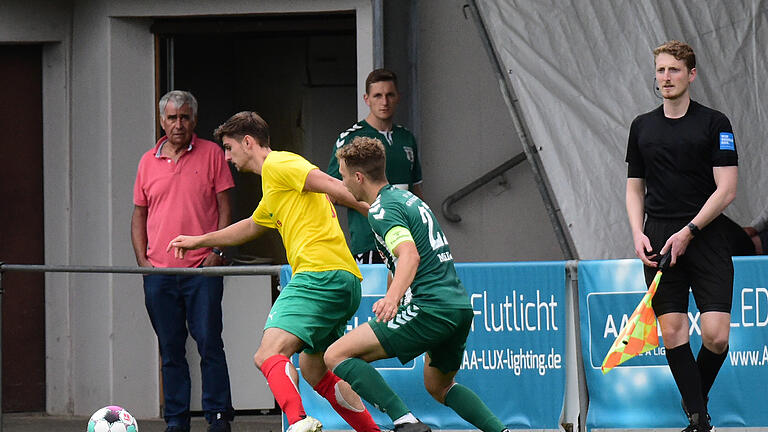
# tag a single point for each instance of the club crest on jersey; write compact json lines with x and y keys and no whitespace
{"x":409,"y":153}
{"x":726,"y":141}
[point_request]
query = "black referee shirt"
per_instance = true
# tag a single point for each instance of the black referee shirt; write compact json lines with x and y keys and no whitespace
{"x":676,"y":156}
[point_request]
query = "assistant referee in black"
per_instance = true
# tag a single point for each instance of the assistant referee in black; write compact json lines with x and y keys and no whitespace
{"x":682,"y":173}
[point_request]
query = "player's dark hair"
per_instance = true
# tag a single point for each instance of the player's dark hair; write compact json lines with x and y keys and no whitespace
{"x":242,"y":124}
{"x":379,"y":75}
{"x":366,"y":155}
{"x":679,"y":50}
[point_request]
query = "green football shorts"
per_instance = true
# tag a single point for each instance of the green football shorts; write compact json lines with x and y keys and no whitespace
{"x":315,"y":307}
{"x":441,"y":333}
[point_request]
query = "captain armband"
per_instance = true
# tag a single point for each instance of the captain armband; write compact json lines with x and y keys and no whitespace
{"x":397,"y":235}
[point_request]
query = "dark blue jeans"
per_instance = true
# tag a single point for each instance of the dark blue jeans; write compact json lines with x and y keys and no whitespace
{"x":175,"y":303}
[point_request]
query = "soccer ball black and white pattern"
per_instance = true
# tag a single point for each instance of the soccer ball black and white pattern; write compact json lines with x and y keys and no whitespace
{"x":112,"y":419}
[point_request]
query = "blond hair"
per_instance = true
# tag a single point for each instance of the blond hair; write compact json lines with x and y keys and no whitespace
{"x":679,"y":50}
{"x":366,"y":155}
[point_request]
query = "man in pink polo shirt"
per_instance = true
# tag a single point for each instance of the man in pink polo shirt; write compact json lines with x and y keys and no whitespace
{"x":182,"y":186}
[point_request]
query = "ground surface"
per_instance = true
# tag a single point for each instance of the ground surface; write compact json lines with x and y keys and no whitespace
{"x":29,"y":422}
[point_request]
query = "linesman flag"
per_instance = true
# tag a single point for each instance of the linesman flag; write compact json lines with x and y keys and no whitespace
{"x":640,"y":333}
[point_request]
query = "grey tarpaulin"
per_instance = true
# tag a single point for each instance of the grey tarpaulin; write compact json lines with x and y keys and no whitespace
{"x":583,"y":69}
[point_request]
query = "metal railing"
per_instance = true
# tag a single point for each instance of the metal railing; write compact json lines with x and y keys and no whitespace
{"x":468,"y":189}
{"x":270,"y":270}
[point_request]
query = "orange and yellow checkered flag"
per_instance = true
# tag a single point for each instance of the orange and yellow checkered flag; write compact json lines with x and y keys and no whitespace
{"x":640,"y":333}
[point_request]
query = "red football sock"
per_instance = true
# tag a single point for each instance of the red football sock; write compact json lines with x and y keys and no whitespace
{"x":276,"y":370}
{"x":360,"y":420}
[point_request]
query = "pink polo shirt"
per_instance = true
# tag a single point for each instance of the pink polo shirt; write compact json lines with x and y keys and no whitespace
{"x":180,"y":197}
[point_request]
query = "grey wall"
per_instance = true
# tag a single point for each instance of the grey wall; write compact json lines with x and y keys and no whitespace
{"x":464,"y":130}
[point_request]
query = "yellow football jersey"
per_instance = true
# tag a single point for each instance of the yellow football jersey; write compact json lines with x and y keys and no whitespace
{"x":306,"y":220}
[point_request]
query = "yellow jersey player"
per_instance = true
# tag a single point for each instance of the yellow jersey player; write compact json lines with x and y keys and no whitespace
{"x":324,"y":292}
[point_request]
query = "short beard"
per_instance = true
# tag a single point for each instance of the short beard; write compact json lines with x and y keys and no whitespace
{"x":673,"y":97}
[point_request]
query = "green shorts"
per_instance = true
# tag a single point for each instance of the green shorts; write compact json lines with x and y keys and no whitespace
{"x":441,"y":333}
{"x":315,"y":307}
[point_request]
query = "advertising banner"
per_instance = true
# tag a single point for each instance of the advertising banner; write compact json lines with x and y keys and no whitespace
{"x":515,"y":355}
{"x":623,"y":398}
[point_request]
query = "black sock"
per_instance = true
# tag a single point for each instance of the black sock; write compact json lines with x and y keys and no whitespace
{"x":709,"y":365}
{"x":686,"y":374}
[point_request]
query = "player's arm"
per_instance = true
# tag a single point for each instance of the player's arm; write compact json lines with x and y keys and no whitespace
{"x":635,"y":201}
{"x":139,"y":235}
{"x":320,"y":182}
{"x":224,"y":208}
{"x":726,"y":179}
{"x":401,"y":242}
{"x":233,"y":235}
{"x":417,"y":190}
{"x":333,"y":167}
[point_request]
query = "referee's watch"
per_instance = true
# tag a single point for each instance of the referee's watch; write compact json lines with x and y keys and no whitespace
{"x":694,"y":229}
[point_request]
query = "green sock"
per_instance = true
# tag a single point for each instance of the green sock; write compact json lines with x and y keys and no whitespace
{"x":369,"y":384}
{"x":469,"y":406}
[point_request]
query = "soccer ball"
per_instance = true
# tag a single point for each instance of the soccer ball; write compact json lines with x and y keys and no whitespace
{"x":112,"y":419}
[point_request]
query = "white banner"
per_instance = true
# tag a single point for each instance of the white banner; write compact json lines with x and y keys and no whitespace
{"x":584,"y":69}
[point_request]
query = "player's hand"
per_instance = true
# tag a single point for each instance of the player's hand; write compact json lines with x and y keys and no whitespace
{"x":385,"y":308}
{"x":363,"y":207}
{"x":213,"y":260}
{"x":643,"y":249}
{"x":677,"y":244}
{"x":144,"y":262}
{"x":750,"y":231}
{"x":181,"y":244}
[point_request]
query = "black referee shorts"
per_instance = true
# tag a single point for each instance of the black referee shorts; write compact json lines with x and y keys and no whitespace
{"x":706,"y":267}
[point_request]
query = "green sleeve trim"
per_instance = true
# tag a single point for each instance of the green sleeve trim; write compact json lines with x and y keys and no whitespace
{"x":397,"y":235}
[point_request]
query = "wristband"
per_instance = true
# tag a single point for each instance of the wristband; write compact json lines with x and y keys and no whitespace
{"x":694,"y":229}
{"x":218,"y":252}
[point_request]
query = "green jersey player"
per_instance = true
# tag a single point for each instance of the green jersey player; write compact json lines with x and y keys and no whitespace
{"x":436,"y":321}
{"x":435,"y":283}
{"x":403,"y":169}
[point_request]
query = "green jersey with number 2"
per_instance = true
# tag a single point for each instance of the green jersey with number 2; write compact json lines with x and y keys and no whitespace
{"x":436,"y":283}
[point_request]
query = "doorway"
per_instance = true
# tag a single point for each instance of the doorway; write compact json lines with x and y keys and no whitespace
{"x":298,"y":71}
{"x":21,"y":227}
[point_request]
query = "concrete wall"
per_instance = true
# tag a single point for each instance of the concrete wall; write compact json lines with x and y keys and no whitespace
{"x":98,"y":102}
{"x":465,"y":130}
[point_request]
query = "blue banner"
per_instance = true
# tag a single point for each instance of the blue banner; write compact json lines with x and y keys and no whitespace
{"x":516,"y":348}
{"x":609,"y":292}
